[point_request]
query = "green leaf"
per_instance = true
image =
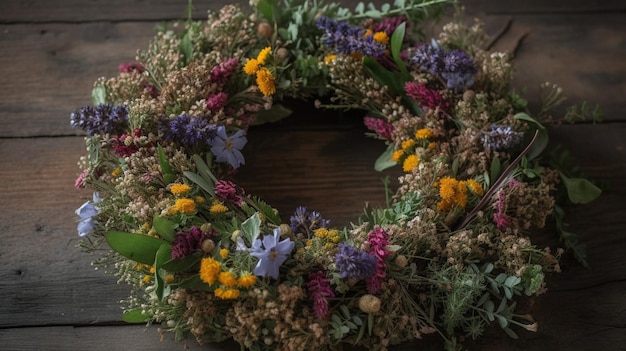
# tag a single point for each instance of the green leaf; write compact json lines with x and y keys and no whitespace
{"x":135,"y":316}
{"x":99,"y":95}
{"x":251,"y":228}
{"x":393,"y":80}
{"x":266,"y":10}
{"x":502,"y":321}
{"x":163,"y":254}
{"x":200,"y":182}
{"x":397,"y":38}
{"x":137,"y":247}
{"x":542,"y":138}
{"x":186,"y":47}
{"x":166,"y":168}
{"x":510,"y":333}
{"x":165,"y":228}
{"x":385,"y":161}
{"x":580,"y":190}
{"x":276,"y":113}
{"x":180,"y":265}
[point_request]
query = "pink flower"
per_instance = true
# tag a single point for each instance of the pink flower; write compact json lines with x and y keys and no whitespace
{"x":80,"y":180}
{"x":130,"y":67}
{"x":216,"y":101}
{"x":500,"y":217}
{"x":228,"y":191}
{"x":221,"y":73}
{"x":319,"y":291}
{"x":382,"y":128}
{"x":425,"y":97}
{"x":378,"y":241}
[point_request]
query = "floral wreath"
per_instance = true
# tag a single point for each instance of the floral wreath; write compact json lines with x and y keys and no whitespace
{"x":450,"y":252}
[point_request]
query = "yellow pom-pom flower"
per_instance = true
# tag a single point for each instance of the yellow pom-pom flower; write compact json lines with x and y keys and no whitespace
{"x":186,"y":206}
{"x":407,"y":144}
{"x":329,"y":58}
{"x":265,"y":81}
{"x":423,"y":133}
{"x":410,"y":163}
{"x":397,"y":155}
{"x":227,"y":279}
{"x":381,"y":37}
{"x":179,"y":189}
{"x":218,"y":208}
{"x":209,"y":270}
{"x":246,"y":281}
{"x":251,"y":67}
{"x":263,"y":55}
{"x":475,"y":187}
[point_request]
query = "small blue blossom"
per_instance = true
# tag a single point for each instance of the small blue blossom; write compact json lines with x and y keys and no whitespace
{"x":347,"y":40}
{"x":102,"y":119}
{"x":87,"y":212}
{"x":501,"y":138}
{"x":271,"y":253}
{"x":189,"y":131}
{"x":228,"y":149}
{"x":353,"y":263}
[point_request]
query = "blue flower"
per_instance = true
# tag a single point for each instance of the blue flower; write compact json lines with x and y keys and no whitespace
{"x":353,"y":263}
{"x":271,"y":253}
{"x":228,"y":149}
{"x":307,"y":221}
{"x":346,"y":39}
{"x":189,"y":131}
{"x":86,"y":212}
{"x":102,"y":119}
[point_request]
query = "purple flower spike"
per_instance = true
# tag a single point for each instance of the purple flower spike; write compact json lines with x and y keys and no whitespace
{"x":353,"y":263}
{"x":271,"y":253}
{"x":228,"y":149}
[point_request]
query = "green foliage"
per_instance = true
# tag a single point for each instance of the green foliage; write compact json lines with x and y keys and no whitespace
{"x":165,"y":228}
{"x":343,"y":323}
{"x":542,"y":137}
{"x":584,"y":112}
{"x":384,"y":161}
{"x":166,"y":168}
{"x":251,"y":228}
{"x":135,"y":316}
{"x":204,"y":178}
{"x":580,"y":190}
{"x":137,"y":247}
{"x":98,"y":95}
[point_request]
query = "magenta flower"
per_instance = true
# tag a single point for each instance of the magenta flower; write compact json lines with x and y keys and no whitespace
{"x":319,"y":291}
{"x":382,"y":128}
{"x":216,"y":101}
{"x":378,"y":241}
{"x":186,"y":243}
{"x":228,"y":148}
{"x":228,"y":191}
{"x":221,"y":73}
{"x":271,"y":253}
{"x":426,"y":98}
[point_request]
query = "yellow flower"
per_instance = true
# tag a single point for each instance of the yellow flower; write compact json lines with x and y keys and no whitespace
{"x":147,"y":279}
{"x":246,"y":281}
{"x":179,"y":189}
{"x":410,"y":163}
{"x":186,"y":206}
{"x":381,"y":37}
{"x":447,"y":188}
{"x":407,"y":144}
{"x":367,"y":33}
{"x":475,"y":187}
{"x":209,"y":270}
{"x":431,"y":145}
{"x":218,"y":208}
{"x":116,"y":172}
{"x":199,"y":199}
{"x":227,"y":279}
{"x":423,"y":133}
{"x":263,"y":55}
{"x":321,"y":233}
{"x":397,"y":155}
{"x":265,"y":81}
{"x":329,"y":58}
{"x":251,"y":66}
{"x":169,"y":278}
{"x":224,"y":253}
{"x":227,"y":294}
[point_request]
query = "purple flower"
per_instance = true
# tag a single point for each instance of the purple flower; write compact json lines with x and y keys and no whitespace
{"x":271,"y":253}
{"x":228,"y":149}
{"x":130,"y":67}
{"x":501,"y":138}
{"x":319,"y":291}
{"x":353,"y":263}
{"x":87,"y":212}
{"x":102,"y":119}
{"x":389,"y":24}
{"x":307,"y":221}
{"x":186,"y":243}
{"x":346,"y":39}
{"x":455,"y":66}
{"x":189,"y":131}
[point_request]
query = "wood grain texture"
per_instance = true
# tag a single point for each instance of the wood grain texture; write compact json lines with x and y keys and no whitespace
{"x":52,"y":52}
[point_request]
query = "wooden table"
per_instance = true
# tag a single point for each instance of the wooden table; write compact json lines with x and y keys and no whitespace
{"x":52,"y":51}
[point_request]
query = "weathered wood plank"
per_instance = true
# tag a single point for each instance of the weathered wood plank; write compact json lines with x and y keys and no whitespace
{"x":18,"y":11}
